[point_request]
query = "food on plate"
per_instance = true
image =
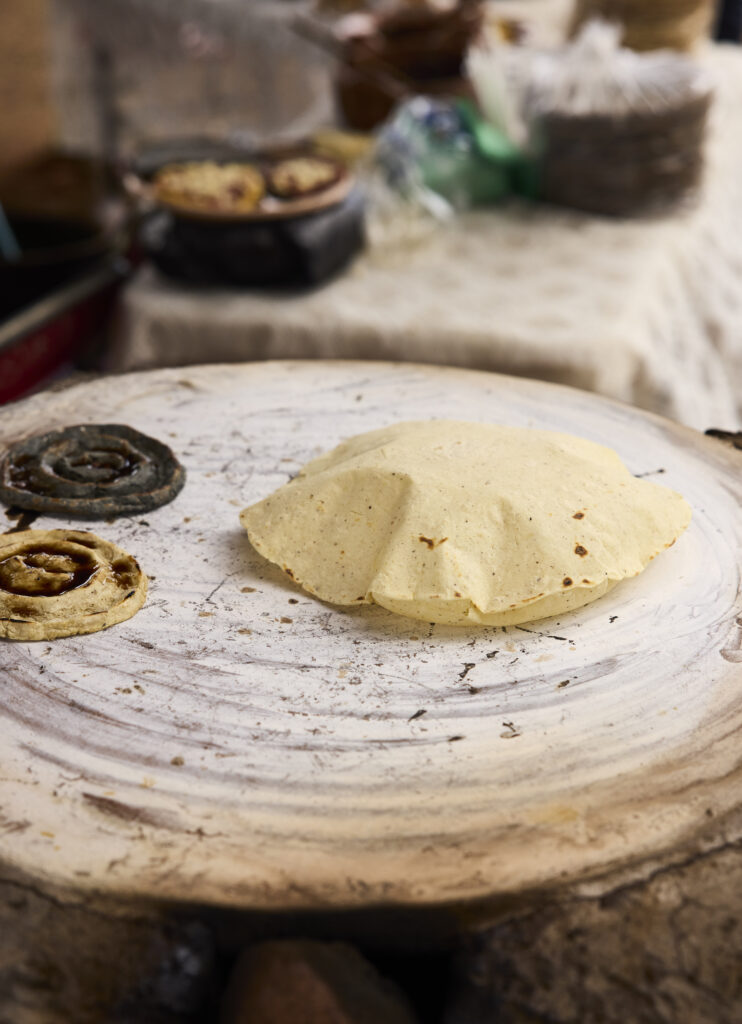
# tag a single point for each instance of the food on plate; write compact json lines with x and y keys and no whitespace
{"x":208,"y":187}
{"x":302,"y":176}
{"x":91,"y":470}
{"x":56,"y":583}
{"x":465,"y":523}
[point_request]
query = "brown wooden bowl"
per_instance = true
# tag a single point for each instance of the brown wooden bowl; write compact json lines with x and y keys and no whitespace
{"x":269,"y":207}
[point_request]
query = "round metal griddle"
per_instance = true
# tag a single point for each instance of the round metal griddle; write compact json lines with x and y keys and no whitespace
{"x":240,"y":743}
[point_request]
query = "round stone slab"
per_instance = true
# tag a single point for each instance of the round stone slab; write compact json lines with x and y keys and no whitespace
{"x":94,"y":471}
{"x":242,"y":744}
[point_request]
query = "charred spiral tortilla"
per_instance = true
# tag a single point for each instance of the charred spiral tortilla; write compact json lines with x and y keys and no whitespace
{"x":56,"y":583}
{"x":93,"y":470}
{"x":465,"y":523}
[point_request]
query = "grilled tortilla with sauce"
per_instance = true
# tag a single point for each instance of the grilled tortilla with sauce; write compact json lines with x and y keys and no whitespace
{"x":56,"y":583}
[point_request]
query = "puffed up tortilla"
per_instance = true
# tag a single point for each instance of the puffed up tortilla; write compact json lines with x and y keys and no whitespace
{"x":465,"y":523}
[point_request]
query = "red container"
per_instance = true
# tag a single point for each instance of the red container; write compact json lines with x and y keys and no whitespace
{"x":37,"y":342}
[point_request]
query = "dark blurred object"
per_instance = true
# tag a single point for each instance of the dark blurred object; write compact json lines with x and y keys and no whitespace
{"x":409,"y":50}
{"x":423,"y":42}
{"x":56,"y":330}
{"x":297,"y":251}
{"x":652,"y":24}
{"x":71,"y":222}
{"x":59,"y":185}
{"x":729,"y":24}
{"x":53,"y":252}
{"x":68,"y":214}
{"x":734,"y":438}
{"x":306,"y":981}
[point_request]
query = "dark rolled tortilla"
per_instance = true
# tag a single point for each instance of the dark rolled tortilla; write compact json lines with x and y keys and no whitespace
{"x":93,"y":470}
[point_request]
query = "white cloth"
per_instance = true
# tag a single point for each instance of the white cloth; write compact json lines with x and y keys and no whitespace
{"x":646,"y":311}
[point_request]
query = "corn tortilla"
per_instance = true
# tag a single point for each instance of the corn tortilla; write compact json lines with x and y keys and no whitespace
{"x":57,"y":583}
{"x":465,"y":523}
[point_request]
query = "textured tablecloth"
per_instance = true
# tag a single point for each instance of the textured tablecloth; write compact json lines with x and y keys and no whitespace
{"x":647,"y":311}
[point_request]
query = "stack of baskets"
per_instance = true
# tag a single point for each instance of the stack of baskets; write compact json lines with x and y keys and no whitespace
{"x":652,"y":24}
{"x":618,"y":133}
{"x":626,"y":165}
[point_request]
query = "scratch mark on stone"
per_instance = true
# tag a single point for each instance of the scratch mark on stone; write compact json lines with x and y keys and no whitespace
{"x":218,"y":587}
{"x":511,"y":731}
{"x":547,"y":636}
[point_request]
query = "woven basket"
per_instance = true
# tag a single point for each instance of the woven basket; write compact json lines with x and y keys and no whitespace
{"x":618,"y":133}
{"x":652,"y":24}
{"x":624,"y":166}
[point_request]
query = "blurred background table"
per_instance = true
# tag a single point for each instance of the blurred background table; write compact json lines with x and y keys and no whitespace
{"x":646,"y":311}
